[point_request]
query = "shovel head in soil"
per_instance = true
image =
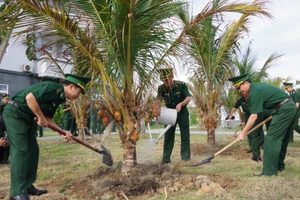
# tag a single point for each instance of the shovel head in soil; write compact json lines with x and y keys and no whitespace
{"x":207,"y":160}
{"x":107,"y":157}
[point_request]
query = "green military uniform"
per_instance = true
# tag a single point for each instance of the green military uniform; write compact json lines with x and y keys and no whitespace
{"x":264,"y":96}
{"x":69,"y":120}
{"x":22,"y":131}
{"x":172,"y":97}
{"x":256,"y":138}
{"x":4,"y":151}
{"x":296,"y":98}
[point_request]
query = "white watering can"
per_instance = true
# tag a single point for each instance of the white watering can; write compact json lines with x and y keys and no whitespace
{"x":167,"y":117}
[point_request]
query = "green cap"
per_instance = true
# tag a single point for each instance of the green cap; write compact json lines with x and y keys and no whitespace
{"x":78,"y":80}
{"x":165,"y":73}
{"x":5,"y":95}
{"x":287,"y":85}
{"x":238,"y":80}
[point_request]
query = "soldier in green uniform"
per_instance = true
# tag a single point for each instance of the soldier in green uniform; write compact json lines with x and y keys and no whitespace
{"x":256,"y":138}
{"x":38,"y":101}
{"x":264,"y":96}
{"x":296,"y":98}
{"x":176,"y":95}
{"x":4,"y":148}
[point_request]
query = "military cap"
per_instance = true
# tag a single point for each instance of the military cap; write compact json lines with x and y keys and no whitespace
{"x":165,"y":73}
{"x":238,"y":80}
{"x":5,"y":95}
{"x":287,"y":85}
{"x":78,"y":80}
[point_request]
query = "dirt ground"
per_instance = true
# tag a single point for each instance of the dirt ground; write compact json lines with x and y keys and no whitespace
{"x":146,"y":180}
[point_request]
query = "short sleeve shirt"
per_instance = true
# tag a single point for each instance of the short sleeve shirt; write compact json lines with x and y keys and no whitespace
{"x":244,"y":104}
{"x":173,"y":96}
{"x":49,"y":96}
{"x":264,"y":96}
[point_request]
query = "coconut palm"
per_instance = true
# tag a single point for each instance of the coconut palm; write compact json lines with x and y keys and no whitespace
{"x":211,"y":55}
{"x":120,"y":44}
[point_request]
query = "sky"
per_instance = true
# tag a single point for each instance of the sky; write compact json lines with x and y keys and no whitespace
{"x":281,"y":34}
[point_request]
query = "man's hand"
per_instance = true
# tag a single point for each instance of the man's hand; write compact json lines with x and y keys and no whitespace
{"x":42,"y":122}
{"x":68,"y":136}
{"x":241,"y":136}
{"x":3,"y":143}
{"x":178,"y":107}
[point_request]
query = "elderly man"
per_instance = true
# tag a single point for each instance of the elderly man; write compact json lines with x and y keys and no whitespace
{"x":264,"y":96}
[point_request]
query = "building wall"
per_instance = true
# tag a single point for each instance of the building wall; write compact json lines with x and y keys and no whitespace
{"x":12,"y":66}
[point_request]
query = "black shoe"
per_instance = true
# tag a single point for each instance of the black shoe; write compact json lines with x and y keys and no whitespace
{"x":256,"y":159}
{"x":262,"y":174}
{"x":281,"y":169}
{"x":36,"y":192}
{"x":20,"y":197}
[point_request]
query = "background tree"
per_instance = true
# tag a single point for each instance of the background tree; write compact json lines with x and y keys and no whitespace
{"x":245,"y":63}
{"x":211,"y":51}
{"x":120,"y":44}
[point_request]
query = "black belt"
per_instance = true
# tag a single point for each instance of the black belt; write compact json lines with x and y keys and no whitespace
{"x":281,"y":103}
{"x":11,"y":102}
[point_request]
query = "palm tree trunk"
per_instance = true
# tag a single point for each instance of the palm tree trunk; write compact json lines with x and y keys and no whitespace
{"x":129,"y":156}
{"x":5,"y":44}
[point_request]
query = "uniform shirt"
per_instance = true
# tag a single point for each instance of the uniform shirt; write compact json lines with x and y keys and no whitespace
{"x":265,"y":96}
{"x":49,"y":96}
{"x":173,"y":96}
{"x":244,"y":104}
{"x":295,"y":96}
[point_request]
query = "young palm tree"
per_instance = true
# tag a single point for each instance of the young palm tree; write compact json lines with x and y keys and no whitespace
{"x":211,"y":54}
{"x":120,"y":44}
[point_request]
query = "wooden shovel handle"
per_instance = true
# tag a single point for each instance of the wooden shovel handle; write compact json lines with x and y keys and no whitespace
{"x":62,"y":132}
{"x":250,"y":131}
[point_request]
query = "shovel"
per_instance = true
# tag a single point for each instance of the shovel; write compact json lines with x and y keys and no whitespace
{"x":107,"y":158}
{"x":207,"y":160}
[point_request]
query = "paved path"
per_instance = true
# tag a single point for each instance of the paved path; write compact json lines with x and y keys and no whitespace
{"x":153,"y":131}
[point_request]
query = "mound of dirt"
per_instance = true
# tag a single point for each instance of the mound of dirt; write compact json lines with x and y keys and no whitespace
{"x":108,"y":183}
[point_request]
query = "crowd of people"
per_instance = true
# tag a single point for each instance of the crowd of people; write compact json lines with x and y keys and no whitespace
{"x":33,"y":108}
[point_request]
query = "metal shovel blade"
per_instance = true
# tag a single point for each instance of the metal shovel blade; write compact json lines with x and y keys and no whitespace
{"x":207,"y":160}
{"x":107,"y":157}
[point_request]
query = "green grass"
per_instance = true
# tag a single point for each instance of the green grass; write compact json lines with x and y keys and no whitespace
{"x":62,"y":166}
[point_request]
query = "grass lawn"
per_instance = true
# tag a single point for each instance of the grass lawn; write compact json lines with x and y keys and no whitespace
{"x":71,"y":171}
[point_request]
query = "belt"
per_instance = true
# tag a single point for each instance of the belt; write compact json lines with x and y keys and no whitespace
{"x":14,"y":104}
{"x":281,"y":103}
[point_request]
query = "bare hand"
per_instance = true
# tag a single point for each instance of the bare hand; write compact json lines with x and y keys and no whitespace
{"x":42,"y":122}
{"x":3,"y":143}
{"x":68,"y":136}
{"x":241,"y":137}
{"x":178,"y":107}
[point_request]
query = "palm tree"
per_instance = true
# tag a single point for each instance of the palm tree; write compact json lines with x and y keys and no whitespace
{"x":121,"y":46}
{"x":211,"y":56}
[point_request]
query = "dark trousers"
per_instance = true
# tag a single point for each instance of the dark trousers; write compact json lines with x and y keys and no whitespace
{"x":258,"y":135}
{"x":185,"y":152}
{"x":24,"y":149}
{"x":4,"y":154}
{"x":277,"y":138}
{"x":296,"y":126}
